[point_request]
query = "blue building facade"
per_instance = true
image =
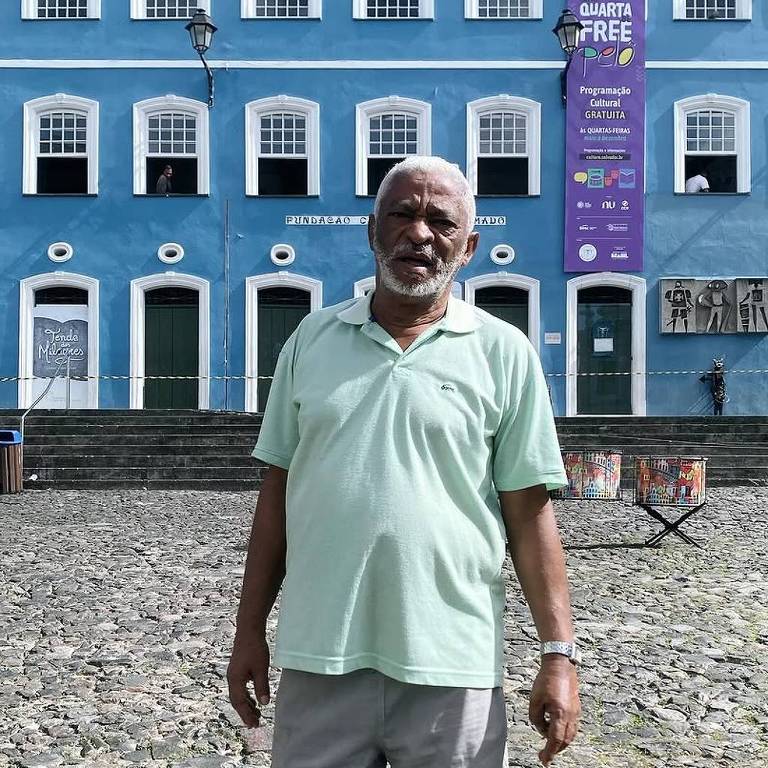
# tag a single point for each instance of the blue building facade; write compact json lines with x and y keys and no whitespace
{"x":271,"y":188}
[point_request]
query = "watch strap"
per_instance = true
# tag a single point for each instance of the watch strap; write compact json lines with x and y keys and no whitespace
{"x":564,"y":648}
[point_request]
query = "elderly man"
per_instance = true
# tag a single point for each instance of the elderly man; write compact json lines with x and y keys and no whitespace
{"x":408,"y":435}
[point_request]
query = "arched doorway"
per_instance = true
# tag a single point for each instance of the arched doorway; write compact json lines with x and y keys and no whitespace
{"x":275,"y":305}
{"x":512,"y":298}
{"x":59,"y":335}
{"x":606,"y":345}
{"x":170,"y":336}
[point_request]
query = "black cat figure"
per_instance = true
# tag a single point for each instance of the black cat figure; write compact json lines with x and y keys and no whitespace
{"x":717,"y":385}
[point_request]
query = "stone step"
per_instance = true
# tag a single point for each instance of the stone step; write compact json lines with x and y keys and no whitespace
{"x":141,"y":473}
{"x":33,"y":450}
{"x":33,"y":430}
{"x":81,"y":484}
{"x":127,"y":439}
{"x":168,"y":461}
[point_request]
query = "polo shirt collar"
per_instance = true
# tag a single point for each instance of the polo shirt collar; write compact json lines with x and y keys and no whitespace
{"x":460,"y":317}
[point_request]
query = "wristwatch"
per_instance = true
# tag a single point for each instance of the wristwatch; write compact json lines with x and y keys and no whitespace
{"x":570,"y":650}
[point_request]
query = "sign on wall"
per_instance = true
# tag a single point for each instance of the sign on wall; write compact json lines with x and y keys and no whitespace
{"x":605,"y":140}
{"x":719,"y":305}
{"x":60,"y":333}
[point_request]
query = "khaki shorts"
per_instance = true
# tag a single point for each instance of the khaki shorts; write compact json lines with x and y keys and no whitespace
{"x":365,"y":719}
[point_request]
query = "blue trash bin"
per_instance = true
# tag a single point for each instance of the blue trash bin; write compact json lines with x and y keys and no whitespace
{"x":10,"y":461}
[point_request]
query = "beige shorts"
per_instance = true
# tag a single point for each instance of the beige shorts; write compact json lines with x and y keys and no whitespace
{"x":365,"y":719}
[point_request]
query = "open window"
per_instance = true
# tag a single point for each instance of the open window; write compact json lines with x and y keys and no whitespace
{"x":281,"y":9}
{"x":712,"y":10}
{"x":60,"y":9}
{"x":503,"y":9}
{"x":61,"y":146}
{"x":712,"y":145}
{"x":170,"y":140}
{"x":388,"y":131}
{"x":393,"y":9}
{"x":504,"y":146}
{"x":282,"y":147}
{"x":167,"y":9}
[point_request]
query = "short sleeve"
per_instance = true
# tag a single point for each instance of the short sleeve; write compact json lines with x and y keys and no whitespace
{"x":526,"y":451}
{"x":279,"y":433}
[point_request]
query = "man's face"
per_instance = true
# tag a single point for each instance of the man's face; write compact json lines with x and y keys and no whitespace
{"x":420,"y":238}
{"x":168,"y":171}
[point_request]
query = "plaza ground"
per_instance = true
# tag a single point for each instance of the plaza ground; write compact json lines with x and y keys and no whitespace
{"x":117,"y":616}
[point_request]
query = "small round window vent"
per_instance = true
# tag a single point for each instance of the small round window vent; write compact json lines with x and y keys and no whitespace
{"x":502,"y":254}
{"x":170,"y":253}
{"x":60,"y":252}
{"x":282,"y":254}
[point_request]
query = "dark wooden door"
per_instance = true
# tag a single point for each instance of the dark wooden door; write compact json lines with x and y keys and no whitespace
{"x":171,"y":348}
{"x":505,"y":302}
{"x":604,"y":346}
{"x":280,"y":312}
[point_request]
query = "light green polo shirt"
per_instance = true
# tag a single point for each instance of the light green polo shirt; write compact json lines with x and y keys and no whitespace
{"x":395,"y":540}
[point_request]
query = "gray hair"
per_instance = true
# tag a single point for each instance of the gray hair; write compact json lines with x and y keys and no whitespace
{"x":430,"y":164}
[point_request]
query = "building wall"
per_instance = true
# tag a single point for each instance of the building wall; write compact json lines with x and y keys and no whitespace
{"x":116,"y":234}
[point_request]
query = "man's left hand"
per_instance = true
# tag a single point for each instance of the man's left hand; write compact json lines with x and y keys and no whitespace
{"x":554,"y":708}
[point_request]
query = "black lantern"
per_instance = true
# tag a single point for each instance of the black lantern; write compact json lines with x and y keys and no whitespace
{"x":568,"y":31}
{"x":201,"y":30}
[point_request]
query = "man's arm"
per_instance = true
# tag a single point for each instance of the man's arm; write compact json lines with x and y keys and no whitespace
{"x":537,"y":555}
{"x":264,"y":573}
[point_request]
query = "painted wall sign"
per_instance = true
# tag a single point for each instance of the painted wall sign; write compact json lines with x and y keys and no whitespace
{"x":336,"y":220}
{"x":60,"y":333}
{"x":605,"y":140}
{"x":719,"y":305}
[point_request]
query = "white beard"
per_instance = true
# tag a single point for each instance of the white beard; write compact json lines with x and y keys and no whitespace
{"x":428,"y":288}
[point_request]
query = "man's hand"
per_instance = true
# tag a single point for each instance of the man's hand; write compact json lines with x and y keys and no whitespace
{"x":249,"y":661}
{"x":554,"y":708}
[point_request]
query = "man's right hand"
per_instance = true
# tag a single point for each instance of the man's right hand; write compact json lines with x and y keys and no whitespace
{"x":249,"y":661}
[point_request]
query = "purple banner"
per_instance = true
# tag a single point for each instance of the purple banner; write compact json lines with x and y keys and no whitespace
{"x":605,"y":140}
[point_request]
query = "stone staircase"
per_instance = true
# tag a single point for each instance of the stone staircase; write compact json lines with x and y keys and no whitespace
{"x":736,"y":446}
{"x":139,"y":449}
{"x":211,"y":449}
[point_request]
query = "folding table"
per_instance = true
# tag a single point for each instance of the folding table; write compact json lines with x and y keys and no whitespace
{"x":670,"y":481}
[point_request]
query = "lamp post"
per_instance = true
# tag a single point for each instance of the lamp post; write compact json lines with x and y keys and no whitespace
{"x":201,"y":30}
{"x":568,"y":32}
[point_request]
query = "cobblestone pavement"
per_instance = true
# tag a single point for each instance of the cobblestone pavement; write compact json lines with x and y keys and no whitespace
{"x":117,"y":609}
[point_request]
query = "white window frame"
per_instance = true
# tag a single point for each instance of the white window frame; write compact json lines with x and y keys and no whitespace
{"x":254,"y":110}
{"x":141,"y":112}
{"x":741,"y":110}
{"x":59,"y":101}
{"x":505,"y":102}
{"x":743,"y":11}
{"x":139,"y":10}
{"x":252,"y":287}
{"x":523,"y":282}
{"x":29,"y":11}
{"x":364,"y":111}
{"x":27,"y":288}
{"x":248,"y":11}
{"x":139,"y":288}
{"x":426,"y":11}
{"x":638,"y":289}
{"x":472,"y":11}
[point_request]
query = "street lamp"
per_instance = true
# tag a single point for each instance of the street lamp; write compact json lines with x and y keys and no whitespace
{"x":201,"y":30}
{"x":568,"y":32}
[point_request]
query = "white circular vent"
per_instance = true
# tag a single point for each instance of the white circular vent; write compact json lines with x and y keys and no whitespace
{"x":282,"y":254}
{"x":502,"y":254}
{"x":170,"y":253}
{"x":60,"y":252}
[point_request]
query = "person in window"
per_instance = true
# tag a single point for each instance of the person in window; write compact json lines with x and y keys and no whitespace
{"x":697,"y":183}
{"x":164,"y":186}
